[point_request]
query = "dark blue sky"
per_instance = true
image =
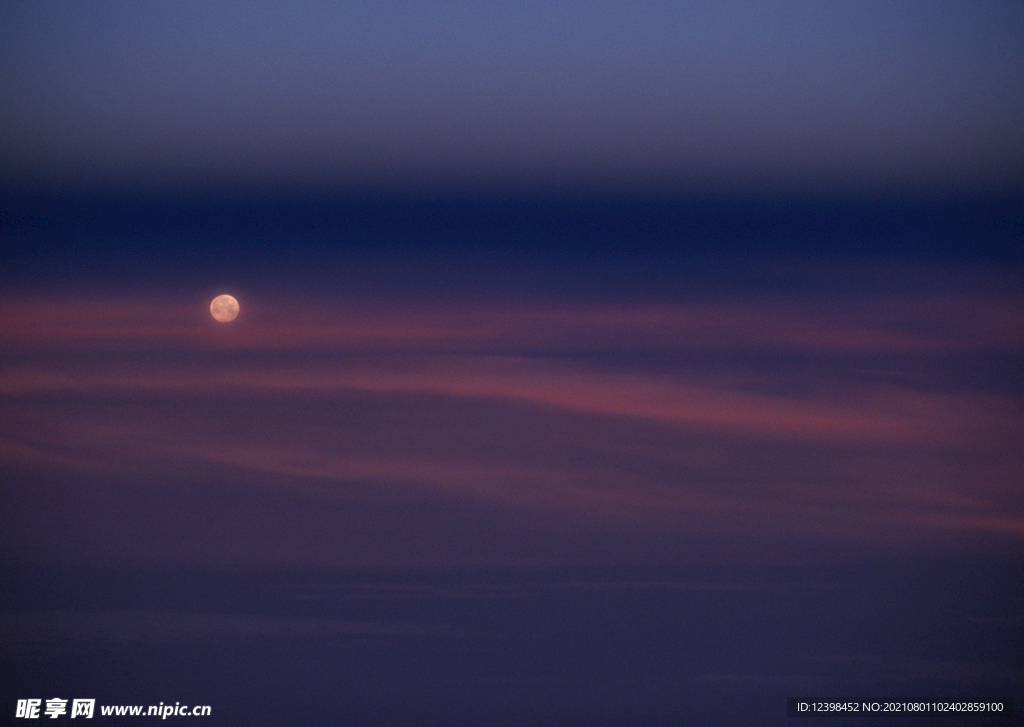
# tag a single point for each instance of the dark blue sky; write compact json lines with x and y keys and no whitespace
{"x":597,"y":363}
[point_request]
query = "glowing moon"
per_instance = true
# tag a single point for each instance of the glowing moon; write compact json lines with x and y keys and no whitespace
{"x":224,"y":308}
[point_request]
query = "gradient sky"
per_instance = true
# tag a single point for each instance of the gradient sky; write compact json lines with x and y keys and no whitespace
{"x":596,"y":364}
{"x":850,"y":97}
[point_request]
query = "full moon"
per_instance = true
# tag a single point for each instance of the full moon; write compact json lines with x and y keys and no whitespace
{"x":224,"y":308}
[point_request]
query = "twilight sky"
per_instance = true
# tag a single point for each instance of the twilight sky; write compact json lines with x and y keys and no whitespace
{"x":849,"y":97}
{"x":597,"y":363}
{"x":474,"y":432}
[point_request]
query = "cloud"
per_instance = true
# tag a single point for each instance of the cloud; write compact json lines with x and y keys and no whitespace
{"x":872,"y":325}
{"x":762,"y":418}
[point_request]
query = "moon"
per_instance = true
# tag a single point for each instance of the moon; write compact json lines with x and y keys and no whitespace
{"x":224,"y":308}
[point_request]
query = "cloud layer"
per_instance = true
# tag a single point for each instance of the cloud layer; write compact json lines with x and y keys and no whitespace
{"x":871,"y":422}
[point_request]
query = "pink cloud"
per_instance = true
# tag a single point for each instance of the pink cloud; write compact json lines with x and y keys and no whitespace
{"x":890,"y":324}
{"x":491,"y":406}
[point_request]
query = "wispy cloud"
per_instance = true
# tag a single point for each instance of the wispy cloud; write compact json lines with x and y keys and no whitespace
{"x":765,"y":417}
{"x":888,"y":324}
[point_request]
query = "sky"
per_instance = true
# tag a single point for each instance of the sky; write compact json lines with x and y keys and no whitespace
{"x":596,"y":364}
{"x":792,"y":97}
